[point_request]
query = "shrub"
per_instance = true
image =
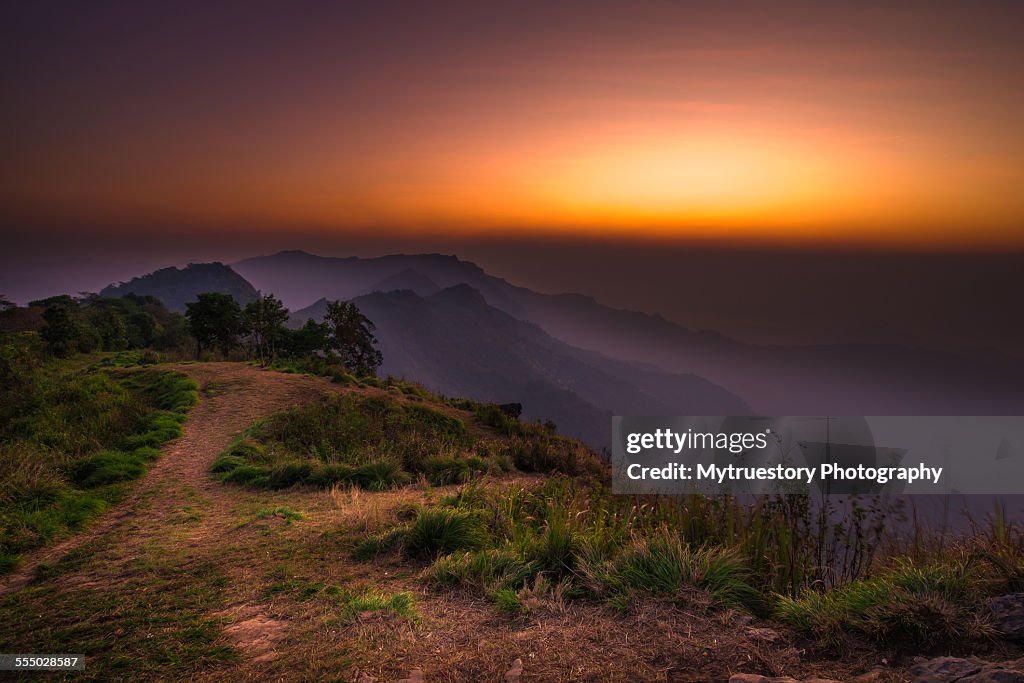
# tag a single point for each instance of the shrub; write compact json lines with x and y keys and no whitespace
{"x":446,"y":469}
{"x":546,"y":453}
{"x":507,"y":600}
{"x":327,"y":476}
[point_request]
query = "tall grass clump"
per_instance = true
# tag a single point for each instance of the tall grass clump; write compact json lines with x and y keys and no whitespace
{"x":665,"y":565}
{"x":440,"y":531}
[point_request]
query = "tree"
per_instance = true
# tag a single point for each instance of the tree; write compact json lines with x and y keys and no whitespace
{"x":113,"y":330}
{"x":308,"y":340}
{"x":215,"y":320}
{"x":61,"y":330}
{"x":264,"y":320}
{"x":351,"y":337}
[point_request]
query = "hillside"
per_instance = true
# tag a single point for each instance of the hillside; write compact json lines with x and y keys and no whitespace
{"x":271,"y":543}
{"x":176,"y":287}
{"x":793,"y":380}
{"x":455,"y":343}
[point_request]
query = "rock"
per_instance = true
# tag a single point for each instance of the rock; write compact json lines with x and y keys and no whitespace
{"x":942,"y":669}
{"x":957,"y":670}
{"x":995,"y":676}
{"x":1008,"y":615}
{"x":513,"y":674}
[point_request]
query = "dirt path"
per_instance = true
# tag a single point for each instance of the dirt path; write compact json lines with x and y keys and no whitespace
{"x":231,"y":397}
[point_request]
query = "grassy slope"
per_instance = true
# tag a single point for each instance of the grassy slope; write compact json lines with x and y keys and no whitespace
{"x":74,"y":434}
{"x":256,"y":577}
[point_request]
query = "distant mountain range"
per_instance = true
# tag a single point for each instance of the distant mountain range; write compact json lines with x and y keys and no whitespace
{"x":451,"y":325}
{"x":454,"y":342}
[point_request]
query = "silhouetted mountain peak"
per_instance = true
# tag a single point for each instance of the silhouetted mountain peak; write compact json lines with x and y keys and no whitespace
{"x":175,"y":287}
{"x":461,"y":295}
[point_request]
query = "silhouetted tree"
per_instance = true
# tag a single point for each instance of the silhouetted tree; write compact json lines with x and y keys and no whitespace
{"x":215,"y":320}
{"x":351,"y":337}
{"x":264,"y":321}
{"x":308,"y":340}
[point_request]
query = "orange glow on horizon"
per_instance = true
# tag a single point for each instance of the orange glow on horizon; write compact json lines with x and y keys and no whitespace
{"x":808,"y":125}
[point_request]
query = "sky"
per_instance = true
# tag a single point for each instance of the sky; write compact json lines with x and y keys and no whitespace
{"x":838,"y":125}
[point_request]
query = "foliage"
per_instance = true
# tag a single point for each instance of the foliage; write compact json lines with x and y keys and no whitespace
{"x":351,"y":337}
{"x":69,"y":326}
{"x":263,"y":320}
{"x":307,"y":341}
{"x":64,"y":333}
{"x":215,"y":321}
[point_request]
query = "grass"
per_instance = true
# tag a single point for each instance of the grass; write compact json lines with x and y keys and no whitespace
{"x":567,"y":540}
{"x":161,"y":612}
{"x":439,"y":531}
{"x":380,"y":441}
{"x":664,"y":565}
{"x":285,"y":513}
{"x":75,"y":434}
{"x":918,"y":607}
{"x":349,"y":603}
{"x":822,"y":570}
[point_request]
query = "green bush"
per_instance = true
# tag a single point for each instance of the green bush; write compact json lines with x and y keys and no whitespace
{"x":327,"y":476}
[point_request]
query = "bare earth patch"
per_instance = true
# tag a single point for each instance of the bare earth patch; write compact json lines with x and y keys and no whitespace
{"x":253,"y":632}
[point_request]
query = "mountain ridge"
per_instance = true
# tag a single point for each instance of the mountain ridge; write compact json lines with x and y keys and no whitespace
{"x":455,"y":343}
{"x":809,"y":379}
